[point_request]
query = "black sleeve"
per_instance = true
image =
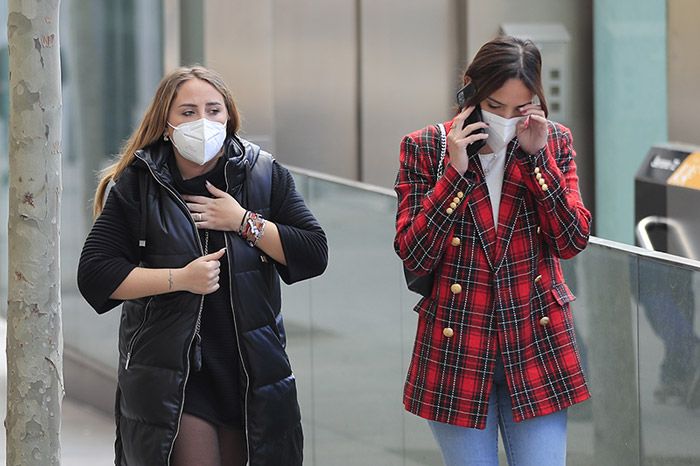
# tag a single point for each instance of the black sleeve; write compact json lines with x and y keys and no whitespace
{"x":303,"y":240}
{"x":109,"y":254}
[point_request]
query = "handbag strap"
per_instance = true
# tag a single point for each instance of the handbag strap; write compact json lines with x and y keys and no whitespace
{"x":443,"y":149}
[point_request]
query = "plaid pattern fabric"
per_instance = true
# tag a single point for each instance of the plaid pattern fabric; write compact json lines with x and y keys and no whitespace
{"x":496,"y":292}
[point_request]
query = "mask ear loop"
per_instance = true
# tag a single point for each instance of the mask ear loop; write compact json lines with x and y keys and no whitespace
{"x":165,"y":131}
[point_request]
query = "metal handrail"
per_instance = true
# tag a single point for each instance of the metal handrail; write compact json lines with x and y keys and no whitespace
{"x":642,"y":233}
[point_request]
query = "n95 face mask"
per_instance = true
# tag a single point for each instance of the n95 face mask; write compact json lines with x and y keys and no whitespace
{"x":501,"y":130}
{"x":199,"y":141}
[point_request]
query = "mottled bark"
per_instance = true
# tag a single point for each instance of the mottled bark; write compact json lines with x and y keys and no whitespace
{"x":34,"y":339}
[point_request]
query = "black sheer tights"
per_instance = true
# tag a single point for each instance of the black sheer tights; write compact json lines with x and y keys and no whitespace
{"x":200,"y":443}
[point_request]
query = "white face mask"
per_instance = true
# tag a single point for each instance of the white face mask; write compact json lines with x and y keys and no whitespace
{"x":199,"y":141}
{"x":501,"y":130}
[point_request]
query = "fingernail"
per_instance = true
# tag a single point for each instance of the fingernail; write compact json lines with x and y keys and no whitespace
{"x":208,"y":183}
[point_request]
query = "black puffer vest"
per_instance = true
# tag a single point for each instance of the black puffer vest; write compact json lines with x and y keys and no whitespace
{"x":156,"y":334}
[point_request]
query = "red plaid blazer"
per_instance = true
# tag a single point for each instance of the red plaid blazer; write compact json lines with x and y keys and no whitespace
{"x":497,"y":293}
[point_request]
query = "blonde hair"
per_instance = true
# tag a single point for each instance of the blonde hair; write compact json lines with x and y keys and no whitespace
{"x":155,"y":120}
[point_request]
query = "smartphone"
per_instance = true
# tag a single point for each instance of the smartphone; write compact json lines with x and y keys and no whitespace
{"x":464,"y":97}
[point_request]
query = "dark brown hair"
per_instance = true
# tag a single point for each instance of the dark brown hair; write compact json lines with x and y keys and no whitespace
{"x":504,"y":58}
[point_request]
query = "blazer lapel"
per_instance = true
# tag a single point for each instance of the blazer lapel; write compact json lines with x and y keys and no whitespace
{"x":511,"y":203}
{"x":480,"y":208}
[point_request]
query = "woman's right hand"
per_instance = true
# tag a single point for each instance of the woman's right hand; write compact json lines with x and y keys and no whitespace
{"x":459,"y":138}
{"x":201,"y":276}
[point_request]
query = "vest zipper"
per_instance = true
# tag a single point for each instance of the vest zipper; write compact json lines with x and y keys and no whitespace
{"x":132,"y":343}
{"x":229,"y":252}
{"x":201,"y":304}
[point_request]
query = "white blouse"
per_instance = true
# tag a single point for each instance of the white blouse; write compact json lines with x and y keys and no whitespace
{"x":494,"y":167}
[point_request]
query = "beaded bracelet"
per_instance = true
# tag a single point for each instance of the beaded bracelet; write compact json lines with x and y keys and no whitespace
{"x":252,"y":228}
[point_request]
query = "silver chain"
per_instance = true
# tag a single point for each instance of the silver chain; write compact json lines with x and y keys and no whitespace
{"x":443,"y":150}
{"x":201,"y":304}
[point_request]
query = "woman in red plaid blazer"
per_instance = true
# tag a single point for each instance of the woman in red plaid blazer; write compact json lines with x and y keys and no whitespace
{"x":495,"y":339}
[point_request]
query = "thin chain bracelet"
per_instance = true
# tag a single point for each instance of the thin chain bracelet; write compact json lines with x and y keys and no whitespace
{"x":244,"y":220}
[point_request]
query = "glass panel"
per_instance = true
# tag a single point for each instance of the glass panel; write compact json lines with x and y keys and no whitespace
{"x":296,"y":311}
{"x":604,"y":430}
{"x":357,"y":347}
{"x":669,"y":363}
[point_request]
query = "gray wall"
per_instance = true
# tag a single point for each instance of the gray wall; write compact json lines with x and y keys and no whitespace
{"x":683,"y":71}
{"x":327,"y":92}
{"x":315,"y":92}
{"x":239,"y":44}
{"x":409,"y":74}
{"x":292,"y":68}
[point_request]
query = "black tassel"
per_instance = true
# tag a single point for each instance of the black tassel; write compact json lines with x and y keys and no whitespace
{"x":197,"y":353}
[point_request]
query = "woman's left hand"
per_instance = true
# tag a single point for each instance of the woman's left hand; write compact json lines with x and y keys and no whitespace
{"x":221,"y":213}
{"x":532,"y":130}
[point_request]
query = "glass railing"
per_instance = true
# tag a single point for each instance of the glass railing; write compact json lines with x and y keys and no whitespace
{"x":351,"y":332}
{"x":350,"y":335}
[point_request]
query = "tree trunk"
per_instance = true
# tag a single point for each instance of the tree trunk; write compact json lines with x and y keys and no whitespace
{"x":34,"y":339}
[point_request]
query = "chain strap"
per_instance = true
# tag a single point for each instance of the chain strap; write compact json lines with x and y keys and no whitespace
{"x":443,"y":150}
{"x":201,"y":305}
{"x":197,"y":351}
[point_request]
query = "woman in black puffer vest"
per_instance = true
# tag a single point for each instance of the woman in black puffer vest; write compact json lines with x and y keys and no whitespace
{"x":192,"y":238}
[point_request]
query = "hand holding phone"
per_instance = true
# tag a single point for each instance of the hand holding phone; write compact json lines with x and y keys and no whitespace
{"x":463,"y":141}
{"x":464,"y":97}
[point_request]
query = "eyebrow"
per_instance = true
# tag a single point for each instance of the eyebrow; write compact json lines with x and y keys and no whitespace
{"x":208,"y":104}
{"x":501,"y":103}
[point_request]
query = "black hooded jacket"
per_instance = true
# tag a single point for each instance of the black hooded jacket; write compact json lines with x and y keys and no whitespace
{"x":145,"y":222}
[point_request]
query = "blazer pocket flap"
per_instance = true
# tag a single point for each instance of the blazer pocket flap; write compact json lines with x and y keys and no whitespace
{"x":562,"y":293}
{"x":426,"y":306}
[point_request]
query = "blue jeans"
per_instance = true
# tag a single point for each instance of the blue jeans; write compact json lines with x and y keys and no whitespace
{"x":539,"y":441}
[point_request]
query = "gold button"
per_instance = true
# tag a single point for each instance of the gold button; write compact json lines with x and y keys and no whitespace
{"x":538,"y":278}
{"x":544,"y":321}
{"x":449,"y":210}
{"x":545,"y":187}
{"x":538,"y":230}
{"x":537,"y":169}
{"x":456,"y":288}
{"x":541,"y":181}
{"x":456,"y":200}
{"x":460,"y":194}
{"x":453,"y":205}
{"x":455,"y":241}
{"x":448,"y":332}
{"x":538,"y":176}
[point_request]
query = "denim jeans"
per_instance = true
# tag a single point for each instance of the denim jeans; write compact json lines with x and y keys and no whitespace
{"x":539,"y":441}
